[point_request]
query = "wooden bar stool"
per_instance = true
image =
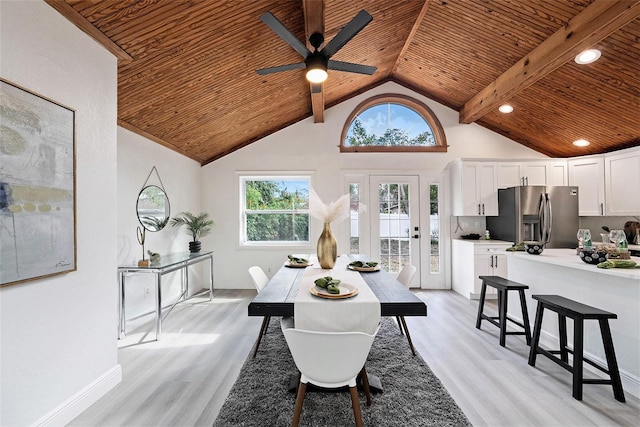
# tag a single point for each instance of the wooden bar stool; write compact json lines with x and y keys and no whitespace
{"x":503,"y":286}
{"x":565,"y":307}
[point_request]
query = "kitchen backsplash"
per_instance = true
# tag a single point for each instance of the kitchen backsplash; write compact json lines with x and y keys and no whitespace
{"x":467,"y":225}
{"x":477,"y":224}
{"x":595,"y":223}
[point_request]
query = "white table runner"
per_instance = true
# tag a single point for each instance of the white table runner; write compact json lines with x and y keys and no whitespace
{"x":358,"y":313}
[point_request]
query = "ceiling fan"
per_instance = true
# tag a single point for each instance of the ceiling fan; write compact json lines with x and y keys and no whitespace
{"x":318,"y":61}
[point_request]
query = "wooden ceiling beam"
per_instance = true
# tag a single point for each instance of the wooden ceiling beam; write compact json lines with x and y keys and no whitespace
{"x":314,"y":23}
{"x":412,"y":34}
{"x":66,"y":10}
{"x":596,"y":22}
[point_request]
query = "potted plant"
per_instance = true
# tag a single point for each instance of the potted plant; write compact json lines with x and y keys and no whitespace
{"x":197,"y":226}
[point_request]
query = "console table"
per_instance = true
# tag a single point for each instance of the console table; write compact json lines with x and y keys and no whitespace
{"x":168,"y":263}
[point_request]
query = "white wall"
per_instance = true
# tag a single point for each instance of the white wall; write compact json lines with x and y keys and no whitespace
{"x":58,"y":335}
{"x":180,"y":177}
{"x":306,"y":146}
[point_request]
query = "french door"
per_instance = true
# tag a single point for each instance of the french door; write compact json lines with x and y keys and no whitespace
{"x":394,"y":218}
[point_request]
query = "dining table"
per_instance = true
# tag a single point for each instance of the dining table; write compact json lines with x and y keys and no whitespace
{"x":279,"y":296}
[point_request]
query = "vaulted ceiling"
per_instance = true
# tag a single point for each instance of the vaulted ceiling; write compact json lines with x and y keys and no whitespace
{"x":187,"y":80}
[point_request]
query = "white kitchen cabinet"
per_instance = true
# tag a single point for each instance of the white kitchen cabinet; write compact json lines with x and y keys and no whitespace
{"x":622,"y":183}
{"x":512,"y":174}
{"x":509,"y":174}
{"x":557,"y":173}
{"x":475,"y":190}
{"x":607,"y":183}
{"x":588,"y":174}
{"x":473,"y":258}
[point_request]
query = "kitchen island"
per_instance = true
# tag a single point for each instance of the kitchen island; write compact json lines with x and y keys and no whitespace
{"x":562,"y":272}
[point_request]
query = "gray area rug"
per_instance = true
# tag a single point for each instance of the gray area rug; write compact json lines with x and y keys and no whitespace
{"x":412,"y":396}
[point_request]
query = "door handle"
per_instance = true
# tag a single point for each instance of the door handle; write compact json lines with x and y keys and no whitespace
{"x":483,"y":209}
{"x":416,"y":236}
{"x":491,"y":261}
{"x":479,"y":209}
{"x":496,"y":261}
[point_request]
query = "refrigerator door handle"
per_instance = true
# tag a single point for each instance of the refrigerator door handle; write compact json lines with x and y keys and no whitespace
{"x":542,"y":218}
{"x":549,"y":219}
{"x":545,"y":217}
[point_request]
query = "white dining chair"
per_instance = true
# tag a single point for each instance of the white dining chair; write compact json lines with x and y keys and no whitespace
{"x":315,"y":355}
{"x":260,"y":280}
{"x":404,"y":277}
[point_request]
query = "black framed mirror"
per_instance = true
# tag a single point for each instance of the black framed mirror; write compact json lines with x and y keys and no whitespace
{"x":153,"y":208}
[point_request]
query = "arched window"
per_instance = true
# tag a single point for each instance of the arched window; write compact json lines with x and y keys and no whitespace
{"x":392,"y":122}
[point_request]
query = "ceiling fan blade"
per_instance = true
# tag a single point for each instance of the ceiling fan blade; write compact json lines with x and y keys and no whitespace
{"x":316,"y":87}
{"x":282,"y":31}
{"x":350,"y":67}
{"x":270,"y":70}
{"x":347,"y":33}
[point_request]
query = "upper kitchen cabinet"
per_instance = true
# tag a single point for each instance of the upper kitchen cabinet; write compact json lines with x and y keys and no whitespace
{"x":512,"y":174}
{"x":607,"y":183}
{"x":475,"y":188}
{"x":622,"y":183}
{"x":588,"y":174}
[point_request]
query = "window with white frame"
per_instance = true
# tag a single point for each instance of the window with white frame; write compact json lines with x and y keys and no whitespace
{"x":275,"y":210}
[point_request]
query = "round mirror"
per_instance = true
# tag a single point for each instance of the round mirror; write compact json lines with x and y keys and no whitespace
{"x":153,"y":208}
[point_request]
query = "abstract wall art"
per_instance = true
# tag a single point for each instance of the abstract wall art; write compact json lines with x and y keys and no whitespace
{"x":37,"y":186}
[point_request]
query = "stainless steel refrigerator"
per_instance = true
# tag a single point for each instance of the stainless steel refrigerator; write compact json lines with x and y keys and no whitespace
{"x":538,"y":213}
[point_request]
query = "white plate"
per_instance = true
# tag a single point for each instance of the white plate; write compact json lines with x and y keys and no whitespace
{"x":346,"y":291}
{"x":354,"y":268}
{"x":295,"y":265}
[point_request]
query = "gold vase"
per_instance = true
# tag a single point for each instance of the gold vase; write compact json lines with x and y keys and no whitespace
{"x":327,"y":247}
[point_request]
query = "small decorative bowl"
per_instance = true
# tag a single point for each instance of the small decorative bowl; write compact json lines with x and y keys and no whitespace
{"x":533,"y":248}
{"x":591,"y":256}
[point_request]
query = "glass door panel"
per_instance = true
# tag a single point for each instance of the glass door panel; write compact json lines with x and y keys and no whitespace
{"x":395,"y":204}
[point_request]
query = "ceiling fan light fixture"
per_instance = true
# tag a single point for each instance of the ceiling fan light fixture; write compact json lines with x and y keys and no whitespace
{"x":316,"y":68}
{"x":587,"y":56}
{"x":316,"y":75}
{"x":581,"y":142}
{"x":505,"y":108}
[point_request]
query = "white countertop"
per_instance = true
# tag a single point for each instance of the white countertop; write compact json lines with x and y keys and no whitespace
{"x":485,"y":242}
{"x":569,"y":258}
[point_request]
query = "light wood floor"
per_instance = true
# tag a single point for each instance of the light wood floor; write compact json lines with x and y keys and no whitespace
{"x":184,"y":379}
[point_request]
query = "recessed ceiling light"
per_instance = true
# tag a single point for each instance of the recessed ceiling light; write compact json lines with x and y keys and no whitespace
{"x":506,"y":108}
{"x":581,"y":143}
{"x":588,"y":56}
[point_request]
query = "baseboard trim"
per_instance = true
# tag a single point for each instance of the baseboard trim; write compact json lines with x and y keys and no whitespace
{"x":74,"y":406}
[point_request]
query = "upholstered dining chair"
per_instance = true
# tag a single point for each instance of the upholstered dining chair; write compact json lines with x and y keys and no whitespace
{"x":260,"y":279}
{"x":315,"y":353}
{"x":404,"y":277}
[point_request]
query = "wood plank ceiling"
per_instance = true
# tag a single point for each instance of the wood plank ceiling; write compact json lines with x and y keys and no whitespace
{"x":186,"y":69}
